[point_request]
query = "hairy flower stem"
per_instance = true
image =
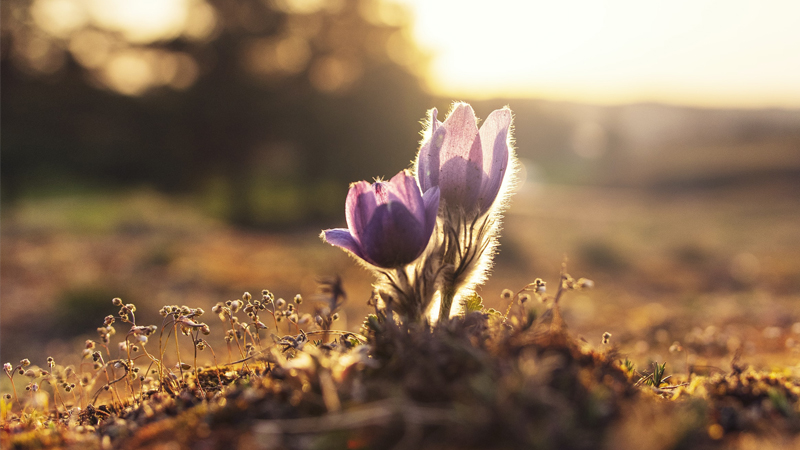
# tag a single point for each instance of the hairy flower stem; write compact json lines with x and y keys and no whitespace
{"x":448,"y":294}
{"x":408,"y":290}
{"x":466,"y":253}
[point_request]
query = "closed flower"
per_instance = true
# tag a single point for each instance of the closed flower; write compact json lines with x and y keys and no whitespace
{"x":467,"y":164}
{"x":389,"y":223}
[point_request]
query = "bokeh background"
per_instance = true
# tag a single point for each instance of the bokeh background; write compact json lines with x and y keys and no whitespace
{"x":185,"y":151}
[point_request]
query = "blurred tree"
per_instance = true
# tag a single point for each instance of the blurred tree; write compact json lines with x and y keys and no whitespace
{"x":267,"y":108}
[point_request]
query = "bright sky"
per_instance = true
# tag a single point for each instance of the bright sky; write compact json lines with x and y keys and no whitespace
{"x":737,"y":53}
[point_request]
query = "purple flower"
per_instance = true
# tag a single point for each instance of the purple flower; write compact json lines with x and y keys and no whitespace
{"x":467,"y":164}
{"x":388,"y":223}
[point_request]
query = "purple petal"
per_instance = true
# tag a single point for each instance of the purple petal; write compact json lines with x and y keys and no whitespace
{"x":342,"y":238}
{"x":431,"y":200}
{"x":394,"y":237}
{"x":494,"y":140}
{"x":359,"y":208}
{"x":461,"y":158}
{"x":403,"y":188}
{"x":462,"y":130}
{"x":428,"y":161}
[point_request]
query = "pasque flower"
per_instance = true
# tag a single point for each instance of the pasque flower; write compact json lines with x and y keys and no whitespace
{"x":473,"y":168}
{"x":389,"y":223}
{"x":468,"y":165}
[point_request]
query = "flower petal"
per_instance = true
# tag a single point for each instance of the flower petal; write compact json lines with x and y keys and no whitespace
{"x":494,"y":141}
{"x":428,"y":161}
{"x":359,"y":208}
{"x":403,"y":188}
{"x":342,"y":238}
{"x":394,"y":237}
{"x":461,"y":158}
{"x":431,"y":200}
{"x":462,"y":129}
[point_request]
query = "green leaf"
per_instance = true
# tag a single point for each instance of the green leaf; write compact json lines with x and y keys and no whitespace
{"x":473,"y":303}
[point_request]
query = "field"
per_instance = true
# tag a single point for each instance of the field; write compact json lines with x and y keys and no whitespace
{"x":706,"y":280}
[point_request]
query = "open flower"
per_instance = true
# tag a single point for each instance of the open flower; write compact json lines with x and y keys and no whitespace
{"x":389,"y":223}
{"x":467,"y":164}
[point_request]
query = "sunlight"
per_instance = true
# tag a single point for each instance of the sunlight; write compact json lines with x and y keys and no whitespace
{"x":705,"y":52}
{"x":142,"y":20}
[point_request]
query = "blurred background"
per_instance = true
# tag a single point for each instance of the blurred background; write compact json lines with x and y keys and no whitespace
{"x":184,"y":151}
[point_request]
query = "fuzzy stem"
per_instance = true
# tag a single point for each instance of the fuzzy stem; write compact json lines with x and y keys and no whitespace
{"x":448,"y":294}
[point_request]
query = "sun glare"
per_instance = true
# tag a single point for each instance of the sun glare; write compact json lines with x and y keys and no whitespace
{"x":703,"y":52}
{"x":142,"y":20}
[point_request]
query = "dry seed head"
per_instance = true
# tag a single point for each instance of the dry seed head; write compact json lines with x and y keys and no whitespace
{"x":524,"y":298}
{"x":25,"y":362}
{"x":506,"y":294}
{"x":335,"y":317}
{"x":584,"y":283}
{"x":540,"y":286}
{"x":116,"y":301}
{"x":298,"y":299}
{"x":246,"y":296}
{"x":8,"y":367}
{"x":280,"y":303}
{"x":606,"y":337}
